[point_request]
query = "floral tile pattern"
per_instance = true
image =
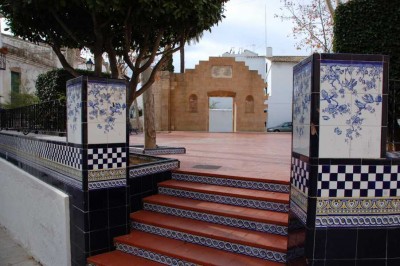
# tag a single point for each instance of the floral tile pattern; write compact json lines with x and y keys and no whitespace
{"x":74,"y":113}
{"x":350,"y":109}
{"x":106,"y":112}
{"x":302,"y":109}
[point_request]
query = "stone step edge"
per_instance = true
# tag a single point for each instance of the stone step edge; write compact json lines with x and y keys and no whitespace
{"x":151,"y":255}
{"x":282,"y":182}
{"x":236,"y":201}
{"x":117,"y":255}
{"x":251,"y":251}
{"x":218,"y":219}
{"x":125,"y":244}
{"x":231,"y":182}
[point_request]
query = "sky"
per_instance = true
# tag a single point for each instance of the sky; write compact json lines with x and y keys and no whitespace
{"x":249,"y":24}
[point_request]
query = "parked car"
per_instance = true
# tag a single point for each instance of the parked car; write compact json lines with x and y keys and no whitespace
{"x":284,"y":127}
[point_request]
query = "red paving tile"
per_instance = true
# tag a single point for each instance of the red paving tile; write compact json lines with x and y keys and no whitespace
{"x":183,"y":250}
{"x":214,"y":231}
{"x":255,"y":155}
{"x":220,"y":209}
{"x":227,"y":191}
{"x":118,"y":258}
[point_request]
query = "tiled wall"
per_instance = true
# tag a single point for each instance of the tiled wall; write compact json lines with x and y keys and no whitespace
{"x":344,"y":191}
{"x":96,"y":120}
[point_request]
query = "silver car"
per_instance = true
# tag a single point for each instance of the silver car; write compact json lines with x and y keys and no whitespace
{"x":284,"y":127}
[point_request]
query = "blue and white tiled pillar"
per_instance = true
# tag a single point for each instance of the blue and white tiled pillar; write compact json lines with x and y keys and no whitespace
{"x":96,"y":124}
{"x":345,"y":193}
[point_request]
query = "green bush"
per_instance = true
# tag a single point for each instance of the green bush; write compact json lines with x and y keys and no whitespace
{"x":369,"y":27}
{"x":372,"y":27}
{"x":52,"y":84}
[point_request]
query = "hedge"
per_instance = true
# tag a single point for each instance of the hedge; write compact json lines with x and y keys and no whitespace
{"x":52,"y":84}
{"x":369,"y":27}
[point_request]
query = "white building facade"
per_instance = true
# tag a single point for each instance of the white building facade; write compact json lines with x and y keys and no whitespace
{"x":25,"y":61}
{"x":277,"y":71}
{"x":280,"y":87}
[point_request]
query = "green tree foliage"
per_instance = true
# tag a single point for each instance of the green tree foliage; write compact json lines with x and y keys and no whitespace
{"x":369,"y":27}
{"x":52,"y":84}
{"x":153,"y":29}
{"x":19,"y":99}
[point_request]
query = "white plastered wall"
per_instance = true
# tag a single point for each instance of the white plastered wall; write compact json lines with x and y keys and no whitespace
{"x":36,"y":215}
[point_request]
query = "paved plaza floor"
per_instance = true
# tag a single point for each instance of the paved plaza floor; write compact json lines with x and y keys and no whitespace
{"x":12,"y":254}
{"x":257,"y":155}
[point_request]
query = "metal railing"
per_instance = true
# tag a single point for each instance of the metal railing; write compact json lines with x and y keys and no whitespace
{"x":393,"y":133}
{"x":47,"y":118}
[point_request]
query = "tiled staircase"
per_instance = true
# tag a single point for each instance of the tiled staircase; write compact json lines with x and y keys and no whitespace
{"x":202,"y":219}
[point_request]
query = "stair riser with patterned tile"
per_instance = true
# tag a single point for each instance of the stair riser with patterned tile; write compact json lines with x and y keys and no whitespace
{"x":150,"y":255}
{"x":212,"y":243}
{"x":236,"y":201}
{"x":217,"y":219}
{"x":230,"y":182}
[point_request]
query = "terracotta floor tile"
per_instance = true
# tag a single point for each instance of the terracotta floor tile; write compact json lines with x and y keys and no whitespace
{"x":254,"y":155}
{"x":220,"y":209}
{"x":197,"y":254}
{"x":227,"y":191}
{"x":118,"y":258}
{"x":217,"y":231}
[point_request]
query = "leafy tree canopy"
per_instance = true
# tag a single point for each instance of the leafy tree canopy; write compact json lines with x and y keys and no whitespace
{"x":52,"y":84}
{"x":151,"y":28}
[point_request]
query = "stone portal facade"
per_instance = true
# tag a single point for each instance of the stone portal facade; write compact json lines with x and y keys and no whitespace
{"x":182,"y":100}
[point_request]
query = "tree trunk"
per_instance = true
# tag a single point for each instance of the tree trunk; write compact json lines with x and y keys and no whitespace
{"x":148,"y":110}
{"x":182,"y":56}
{"x":137,"y":118}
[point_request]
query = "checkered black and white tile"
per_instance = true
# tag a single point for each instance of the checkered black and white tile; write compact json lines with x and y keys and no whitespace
{"x":300,"y":175}
{"x":52,"y":151}
{"x":358,"y":181}
{"x":106,"y":158}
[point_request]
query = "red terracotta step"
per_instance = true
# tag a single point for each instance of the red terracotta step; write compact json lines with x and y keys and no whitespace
{"x":245,"y":178}
{"x":187,"y":251}
{"x":213,"y":231}
{"x":244,"y":213}
{"x":227,"y":191}
{"x":119,"y":258}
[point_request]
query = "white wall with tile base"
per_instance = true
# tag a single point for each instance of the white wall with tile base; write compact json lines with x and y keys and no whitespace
{"x":36,"y":215}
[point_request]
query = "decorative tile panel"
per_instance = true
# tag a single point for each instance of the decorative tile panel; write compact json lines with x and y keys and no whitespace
{"x":107,"y":184}
{"x":106,"y":112}
{"x":358,"y":181}
{"x":357,"y":221}
{"x":74,"y":111}
{"x":212,"y":218}
{"x":302,"y":108}
{"x":300,"y":175}
{"x":231,"y":182}
{"x":152,"y":168}
{"x":106,"y":158}
{"x":358,"y":206}
{"x":212,"y":242}
{"x":136,"y":251}
{"x":350,"y":109}
{"x":45,"y":152}
{"x":258,"y":204}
